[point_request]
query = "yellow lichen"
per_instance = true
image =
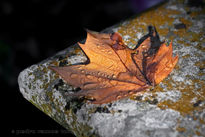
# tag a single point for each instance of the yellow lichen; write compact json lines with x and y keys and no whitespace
{"x":186,"y":56}
{"x":150,"y":17}
{"x":185,"y":105}
{"x":46,"y":108}
{"x":181,"y":129}
{"x":200,"y":47}
{"x":202,"y":121}
{"x":77,"y":50}
{"x":185,"y":21}
{"x":200,"y":64}
{"x":198,"y":133}
{"x":55,"y":63}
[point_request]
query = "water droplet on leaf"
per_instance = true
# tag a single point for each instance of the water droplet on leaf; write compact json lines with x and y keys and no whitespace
{"x":89,"y":76}
{"x":118,"y":97}
{"x":73,"y":75}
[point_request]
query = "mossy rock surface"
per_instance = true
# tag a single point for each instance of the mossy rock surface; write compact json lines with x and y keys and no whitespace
{"x":176,"y":107}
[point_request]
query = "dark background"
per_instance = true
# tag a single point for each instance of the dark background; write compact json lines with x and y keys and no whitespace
{"x":31,"y":31}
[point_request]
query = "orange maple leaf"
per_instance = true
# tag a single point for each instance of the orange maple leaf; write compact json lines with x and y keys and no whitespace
{"x":115,"y":71}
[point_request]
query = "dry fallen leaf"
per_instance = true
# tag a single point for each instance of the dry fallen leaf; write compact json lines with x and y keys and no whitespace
{"x":115,"y":71}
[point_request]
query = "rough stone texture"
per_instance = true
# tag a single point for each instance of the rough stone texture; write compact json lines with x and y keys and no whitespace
{"x":176,"y":107}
